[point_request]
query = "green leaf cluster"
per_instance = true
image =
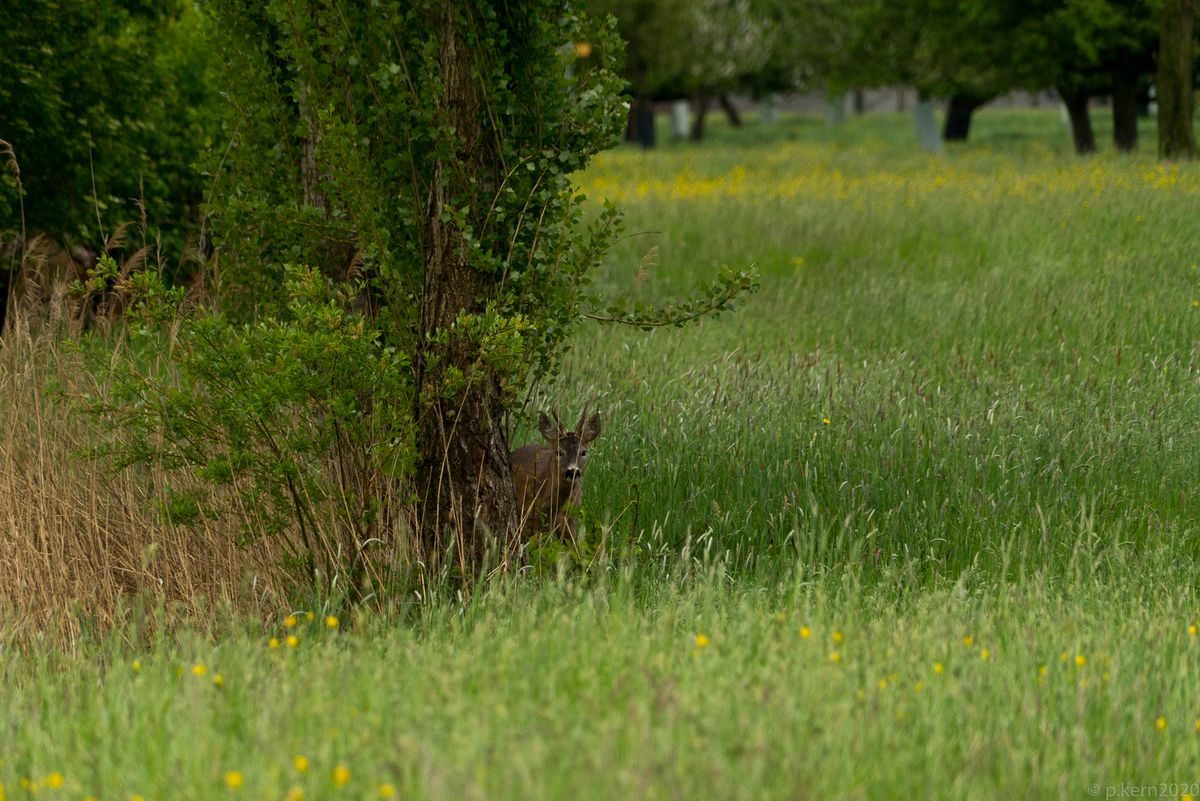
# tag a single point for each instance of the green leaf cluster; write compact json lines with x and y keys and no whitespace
{"x":293,"y":426}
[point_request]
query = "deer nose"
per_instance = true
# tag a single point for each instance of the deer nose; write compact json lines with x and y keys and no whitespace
{"x":573,"y":473}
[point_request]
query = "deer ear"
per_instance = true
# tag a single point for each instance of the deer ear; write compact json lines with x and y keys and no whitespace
{"x":591,"y":429}
{"x":548,"y":427}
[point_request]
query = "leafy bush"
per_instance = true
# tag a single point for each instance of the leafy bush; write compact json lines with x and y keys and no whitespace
{"x":108,"y":105}
{"x":296,"y":424}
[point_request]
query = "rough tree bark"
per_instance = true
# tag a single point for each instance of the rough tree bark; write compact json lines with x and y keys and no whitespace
{"x":1124,"y":99}
{"x":1076,"y":101}
{"x":464,"y":481}
{"x":958,"y":116}
{"x":1176,"y":138}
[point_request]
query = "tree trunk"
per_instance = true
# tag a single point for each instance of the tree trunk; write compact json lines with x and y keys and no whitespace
{"x":640,"y":128}
{"x":1125,"y":110}
{"x":700,"y":107}
{"x":958,"y":116}
{"x":735,"y":119}
{"x":1076,"y":102}
{"x":465,"y":496}
{"x":1176,"y":139}
{"x":927,"y":133}
{"x":835,"y":110}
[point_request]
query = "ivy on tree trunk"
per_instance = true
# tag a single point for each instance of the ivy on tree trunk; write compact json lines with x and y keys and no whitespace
{"x":464,"y":481}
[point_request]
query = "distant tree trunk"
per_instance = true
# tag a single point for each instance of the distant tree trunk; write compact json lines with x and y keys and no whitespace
{"x":835,"y":109}
{"x":640,"y":127}
{"x":465,"y":495}
{"x":735,"y":119}
{"x":858,"y":101}
{"x":1125,"y":108}
{"x":700,"y":109}
{"x":1176,"y":139}
{"x":1076,"y":101}
{"x":927,"y":132}
{"x":958,"y":116}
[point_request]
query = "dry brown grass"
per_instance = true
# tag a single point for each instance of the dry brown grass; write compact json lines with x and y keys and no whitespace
{"x":78,"y":543}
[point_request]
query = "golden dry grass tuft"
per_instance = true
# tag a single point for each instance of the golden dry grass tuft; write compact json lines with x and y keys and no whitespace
{"x":78,"y":543}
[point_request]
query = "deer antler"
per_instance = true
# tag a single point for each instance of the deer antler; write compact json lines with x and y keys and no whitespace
{"x":557,"y":421}
{"x":583,"y":417}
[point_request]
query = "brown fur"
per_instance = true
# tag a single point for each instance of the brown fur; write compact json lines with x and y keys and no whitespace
{"x":549,"y":477}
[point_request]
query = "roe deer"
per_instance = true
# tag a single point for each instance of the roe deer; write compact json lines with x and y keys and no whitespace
{"x":549,"y":478}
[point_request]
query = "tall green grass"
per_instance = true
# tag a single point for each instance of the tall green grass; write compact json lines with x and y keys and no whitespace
{"x":802,"y":690}
{"x":974,"y":360}
{"x":918,"y":521}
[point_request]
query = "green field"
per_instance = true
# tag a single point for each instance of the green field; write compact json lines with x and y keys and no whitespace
{"x":918,"y":520}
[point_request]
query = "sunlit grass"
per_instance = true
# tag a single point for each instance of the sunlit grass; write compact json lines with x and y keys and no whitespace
{"x":707,"y":691}
{"x":979,"y":359}
{"x":917,"y":521}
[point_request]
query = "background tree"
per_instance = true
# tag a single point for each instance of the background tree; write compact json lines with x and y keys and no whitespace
{"x":699,"y":50}
{"x":1176,"y":62}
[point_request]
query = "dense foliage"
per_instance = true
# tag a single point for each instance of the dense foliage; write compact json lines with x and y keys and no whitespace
{"x":107,"y":105}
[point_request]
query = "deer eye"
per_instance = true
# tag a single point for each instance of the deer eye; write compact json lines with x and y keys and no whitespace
{"x":583,"y":452}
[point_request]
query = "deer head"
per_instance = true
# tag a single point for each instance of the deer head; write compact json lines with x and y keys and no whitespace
{"x":569,"y":447}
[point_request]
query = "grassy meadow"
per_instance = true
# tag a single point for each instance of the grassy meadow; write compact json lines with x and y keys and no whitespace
{"x":919,"y":520}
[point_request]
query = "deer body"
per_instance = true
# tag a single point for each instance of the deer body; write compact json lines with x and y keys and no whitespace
{"x":549,"y":477}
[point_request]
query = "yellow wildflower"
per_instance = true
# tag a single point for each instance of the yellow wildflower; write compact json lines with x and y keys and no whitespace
{"x":387,"y":790}
{"x":292,"y":641}
{"x":289,"y":621}
{"x":834,"y":656}
{"x":701,"y":641}
{"x":1160,"y":724}
{"x":805,"y":632}
{"x":331,"y":622}
{"x":273,"y":643}
{"x":296,"y":793}
{"x":837,"y":636}
{"x":54,"y":780}
{"x":937,"y":667}
{"x":198,"y":669}
{"x":233,"y":779}
{"x":1079,"y":660}
{"x":300,"y":763}
{"x":341,"y":775}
